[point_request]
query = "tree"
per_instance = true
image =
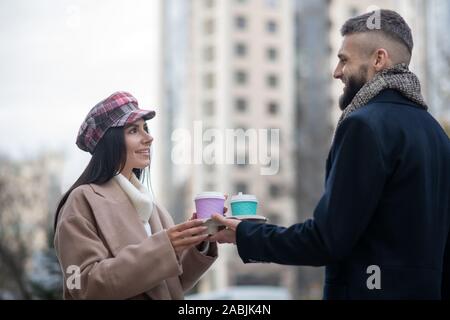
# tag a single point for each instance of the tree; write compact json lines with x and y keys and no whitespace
{"x":46,"y":278}
{"x":14,"y":249}
{"x":28,"y":265}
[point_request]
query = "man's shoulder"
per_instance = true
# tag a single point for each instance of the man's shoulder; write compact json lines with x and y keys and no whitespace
{"x":388,"y":108}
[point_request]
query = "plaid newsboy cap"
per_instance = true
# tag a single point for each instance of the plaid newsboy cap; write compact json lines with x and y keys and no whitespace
{"x":118,"y":110}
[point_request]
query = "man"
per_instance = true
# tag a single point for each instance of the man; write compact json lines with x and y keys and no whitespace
{"x":381,"y":227}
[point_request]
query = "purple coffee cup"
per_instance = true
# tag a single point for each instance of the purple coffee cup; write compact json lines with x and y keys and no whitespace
{"x":207,"y":203}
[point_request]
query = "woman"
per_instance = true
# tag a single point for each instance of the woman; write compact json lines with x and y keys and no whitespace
{"x":112,"y":240}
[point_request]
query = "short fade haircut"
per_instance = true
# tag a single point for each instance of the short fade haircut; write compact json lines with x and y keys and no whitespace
{"x":393,"y":26}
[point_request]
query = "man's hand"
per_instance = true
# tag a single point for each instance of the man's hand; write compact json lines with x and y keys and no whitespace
{"x":227,"y":235}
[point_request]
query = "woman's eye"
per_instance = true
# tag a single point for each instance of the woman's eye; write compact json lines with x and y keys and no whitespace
{"x":133,"y":130}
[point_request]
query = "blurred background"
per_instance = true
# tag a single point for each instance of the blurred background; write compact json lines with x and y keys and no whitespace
{"x":231,"y":64}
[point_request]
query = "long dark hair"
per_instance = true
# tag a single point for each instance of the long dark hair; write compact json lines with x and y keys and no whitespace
{"x":107,"y":160}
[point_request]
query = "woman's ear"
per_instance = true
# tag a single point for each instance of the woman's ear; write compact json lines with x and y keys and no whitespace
{"x":381,"y":60}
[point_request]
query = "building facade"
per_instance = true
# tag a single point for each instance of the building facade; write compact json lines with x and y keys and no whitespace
{"x":237,"y":62}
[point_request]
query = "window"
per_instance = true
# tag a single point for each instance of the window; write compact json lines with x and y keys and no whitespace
{"x":241,"y":104}
{"x":274,"y":191}
{"x":208,"y":54}
{"x":274,"y":165}
{"x":209,"y":3}
{"x":209,"y":26}
{"x":210,"y":186}
{"x":271,"y":3}
{"x":241,"y":22}
{"x":241,"y":77}
{"x":272,"y":80}
{"x":240,"y":49}
{"x":209,"y":81}
{"x":271,"y":26}
{"x":272,"y":107}
{"x":272,"y":54}
{"x":208,"y":108}
{"x":241,"y":187}
{"x":243,"y":128}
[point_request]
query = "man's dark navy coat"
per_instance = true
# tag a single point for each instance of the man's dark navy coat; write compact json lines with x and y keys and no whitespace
{"x":386,"y":203}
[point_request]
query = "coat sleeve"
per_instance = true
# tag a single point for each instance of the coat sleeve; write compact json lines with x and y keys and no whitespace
{"x":134,"y":270}
{"x":446,"y":272}
{"x":195,"y":264}
{"x":352,"y":192}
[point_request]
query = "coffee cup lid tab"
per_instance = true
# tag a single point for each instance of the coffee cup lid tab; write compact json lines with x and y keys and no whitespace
{"x":243,"y":197}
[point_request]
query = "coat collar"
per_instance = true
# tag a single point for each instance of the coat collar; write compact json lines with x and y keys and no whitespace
{"x":109,"y":189}
{"x":393,"y":96}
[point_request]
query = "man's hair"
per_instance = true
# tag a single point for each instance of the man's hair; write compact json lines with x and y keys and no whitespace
{"x":393,"y":26}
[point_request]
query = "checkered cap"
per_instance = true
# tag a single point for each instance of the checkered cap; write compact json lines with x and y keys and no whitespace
{"x":118,"y":110}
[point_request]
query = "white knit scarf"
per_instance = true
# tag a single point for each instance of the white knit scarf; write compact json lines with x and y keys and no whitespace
{"x":139,"y":195}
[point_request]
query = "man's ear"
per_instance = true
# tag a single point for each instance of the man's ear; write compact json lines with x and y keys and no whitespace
{"x":381,"y":60}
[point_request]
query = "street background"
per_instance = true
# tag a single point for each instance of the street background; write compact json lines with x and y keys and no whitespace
{"x":227,"y":64}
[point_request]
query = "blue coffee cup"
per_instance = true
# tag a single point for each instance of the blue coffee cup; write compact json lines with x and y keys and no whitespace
{"x":243,"y":204}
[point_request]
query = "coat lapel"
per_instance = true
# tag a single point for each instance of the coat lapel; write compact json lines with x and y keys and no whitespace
{"x":161,"y":291}
{"x":116,"y":217}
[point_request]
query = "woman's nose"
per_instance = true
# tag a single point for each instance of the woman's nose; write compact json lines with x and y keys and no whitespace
{"x":148,"y":138}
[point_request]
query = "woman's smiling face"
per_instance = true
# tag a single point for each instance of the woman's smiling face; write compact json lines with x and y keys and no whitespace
{"x":137,"y":142}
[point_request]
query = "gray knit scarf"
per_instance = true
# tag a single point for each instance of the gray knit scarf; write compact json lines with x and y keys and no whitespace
{"x":398,"y":78}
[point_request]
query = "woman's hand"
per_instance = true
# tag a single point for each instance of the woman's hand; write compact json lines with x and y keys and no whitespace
{"x":186,"y":235}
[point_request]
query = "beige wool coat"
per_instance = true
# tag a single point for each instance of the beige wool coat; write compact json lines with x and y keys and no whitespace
{"x":100,"y":233}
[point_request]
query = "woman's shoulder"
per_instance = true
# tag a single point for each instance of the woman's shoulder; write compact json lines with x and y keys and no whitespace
{"x":82,"y":200}
{"x":77,"y":201}
{"x":81,"y":191}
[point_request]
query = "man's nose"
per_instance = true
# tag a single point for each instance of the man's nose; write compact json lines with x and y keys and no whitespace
{"x":337,"y":74}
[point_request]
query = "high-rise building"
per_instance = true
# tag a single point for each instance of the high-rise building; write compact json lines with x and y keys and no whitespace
{"x":437,"y":15}
{"x":229,"y":66}
{"x":254,"y":64}
{"x":312,"y":126}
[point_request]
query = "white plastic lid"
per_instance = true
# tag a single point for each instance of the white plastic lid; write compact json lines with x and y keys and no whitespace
{"x":209,"y":195}
{"x":243,"y":197}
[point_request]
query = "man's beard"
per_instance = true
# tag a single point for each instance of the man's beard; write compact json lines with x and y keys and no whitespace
{"x":352,"y":87}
